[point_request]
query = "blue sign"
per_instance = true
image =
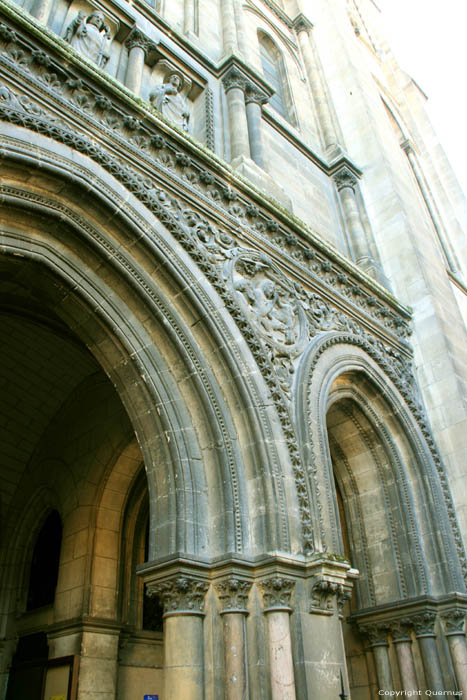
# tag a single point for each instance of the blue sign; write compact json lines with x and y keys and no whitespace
{"x":151,"y":697}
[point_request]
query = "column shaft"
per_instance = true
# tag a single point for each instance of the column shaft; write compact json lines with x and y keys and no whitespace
{"x":431,"y":664}
{"x":238,"y":125}
{"x":134,"y":70}
{"x":354,"y":226}
{"x":325,"y":118}
{"x":229,"y":28}
{"x":432,"y":208}
{"x":189,"y":16}
{"x":235,"y":657}
{"x":458,"y":651}
{"x":183,"y":657}
{"x":253,"y":115}
{"x":383,"y":667}
{"x":242,"y":42}
{"x":406,"y":665}
{"x":280,"y":656}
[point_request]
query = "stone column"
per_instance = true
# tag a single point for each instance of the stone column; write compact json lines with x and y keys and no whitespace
{"x":424,"y":626}
{"x":378,"y":642}
{"x":229,"y":27}
{"x":454,"y":631}
{"x":254,"y":99}
{"x":189,"y":17}
{"x":242,"y":42}
{"x":183,"y":599}
{"x":233,"y":594}
{"x":431,"y":206}
{"x":346,"y":183}
{"x":400,"y":632}
{"x":138,"y":46}
{"x":326,"y":118}
{"x":40,"y":10}
{"x":235,"y":86}
{"x":277,"y":592}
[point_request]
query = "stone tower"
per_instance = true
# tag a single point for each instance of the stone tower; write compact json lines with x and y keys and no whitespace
{"x":233,"y":357}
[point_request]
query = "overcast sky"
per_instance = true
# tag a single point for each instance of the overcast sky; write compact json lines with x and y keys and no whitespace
{"x":429,"y":39}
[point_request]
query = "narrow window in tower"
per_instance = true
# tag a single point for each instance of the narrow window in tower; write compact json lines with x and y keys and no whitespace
{"x":45,"y":561}
{"x":274,"y":72}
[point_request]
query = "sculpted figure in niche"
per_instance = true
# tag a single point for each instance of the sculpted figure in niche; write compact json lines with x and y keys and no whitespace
{"x":168,"y":99}
{"x":90,"y":36}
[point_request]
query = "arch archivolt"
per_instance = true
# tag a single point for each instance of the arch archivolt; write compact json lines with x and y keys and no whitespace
{"x":120,"y":288}
{"x":339,"y":379}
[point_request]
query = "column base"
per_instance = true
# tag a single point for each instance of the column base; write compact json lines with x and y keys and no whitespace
{"x":261,"y":179}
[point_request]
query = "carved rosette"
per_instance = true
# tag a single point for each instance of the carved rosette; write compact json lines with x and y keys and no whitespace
{"x":344,"y":177}
{"x":377,"y":634}
{"x":180,"y":595}
{"x":424,"y":624}
{"x":400,"y":630}
{"x":323,"y":593}
{"x":454,"y":621}
{"x":233,"y":594}
{"x":277,"y":594}
{"x":139,"y":40}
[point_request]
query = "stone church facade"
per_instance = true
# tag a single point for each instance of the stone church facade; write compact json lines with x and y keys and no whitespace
{"x":233,"y":361}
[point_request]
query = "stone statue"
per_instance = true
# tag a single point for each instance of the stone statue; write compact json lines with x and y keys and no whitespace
{"x":168,"y":99}
{"x":90,"y":36}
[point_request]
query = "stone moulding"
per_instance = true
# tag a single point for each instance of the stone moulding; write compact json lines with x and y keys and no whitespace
{"x":342,"y":275}
{"x":61,"y":84}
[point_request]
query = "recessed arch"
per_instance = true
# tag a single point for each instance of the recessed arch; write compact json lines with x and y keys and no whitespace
{"x":341,"y":383}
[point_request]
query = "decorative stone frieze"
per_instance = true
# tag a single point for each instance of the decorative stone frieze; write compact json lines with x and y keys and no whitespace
{"x":180,"y":594}
{"x":233,"y":594}
{"x":277,"y":593}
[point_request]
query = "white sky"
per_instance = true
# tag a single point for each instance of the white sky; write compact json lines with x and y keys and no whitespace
{"x":429,"y":39}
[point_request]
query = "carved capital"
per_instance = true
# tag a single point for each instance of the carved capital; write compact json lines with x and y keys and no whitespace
{"x":302,"y":24}
{"x":344,"y":177}
{"x":322,"y":594}
{"x":254,"y":94}
{"x":180,"y":594}
{"x":408,"y":147}
{"x":400,"y":630}
{"x":234,"y":78}
{"x":139,"y":40}
{"x":424,"y":624}
{"x":454,"y":621}
{"x":233,"y":594}
{"x":377,"y":634}
{"x":277,"y":593}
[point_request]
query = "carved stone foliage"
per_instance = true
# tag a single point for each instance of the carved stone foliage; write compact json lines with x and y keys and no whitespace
{"x":344,"y":177}
{"x":273,"y":337}
{"x":277,"y":593}
{"x":400,"y":630}
{"x":56,"y":75}
{"x":180,"y":594}
{"x":323,"y":593}
{"x":424,"y":624}
{"x":377,"y":634}
{"x":454,"y":620}
{"x":233,"y":594}
{"x":138,"y":39}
